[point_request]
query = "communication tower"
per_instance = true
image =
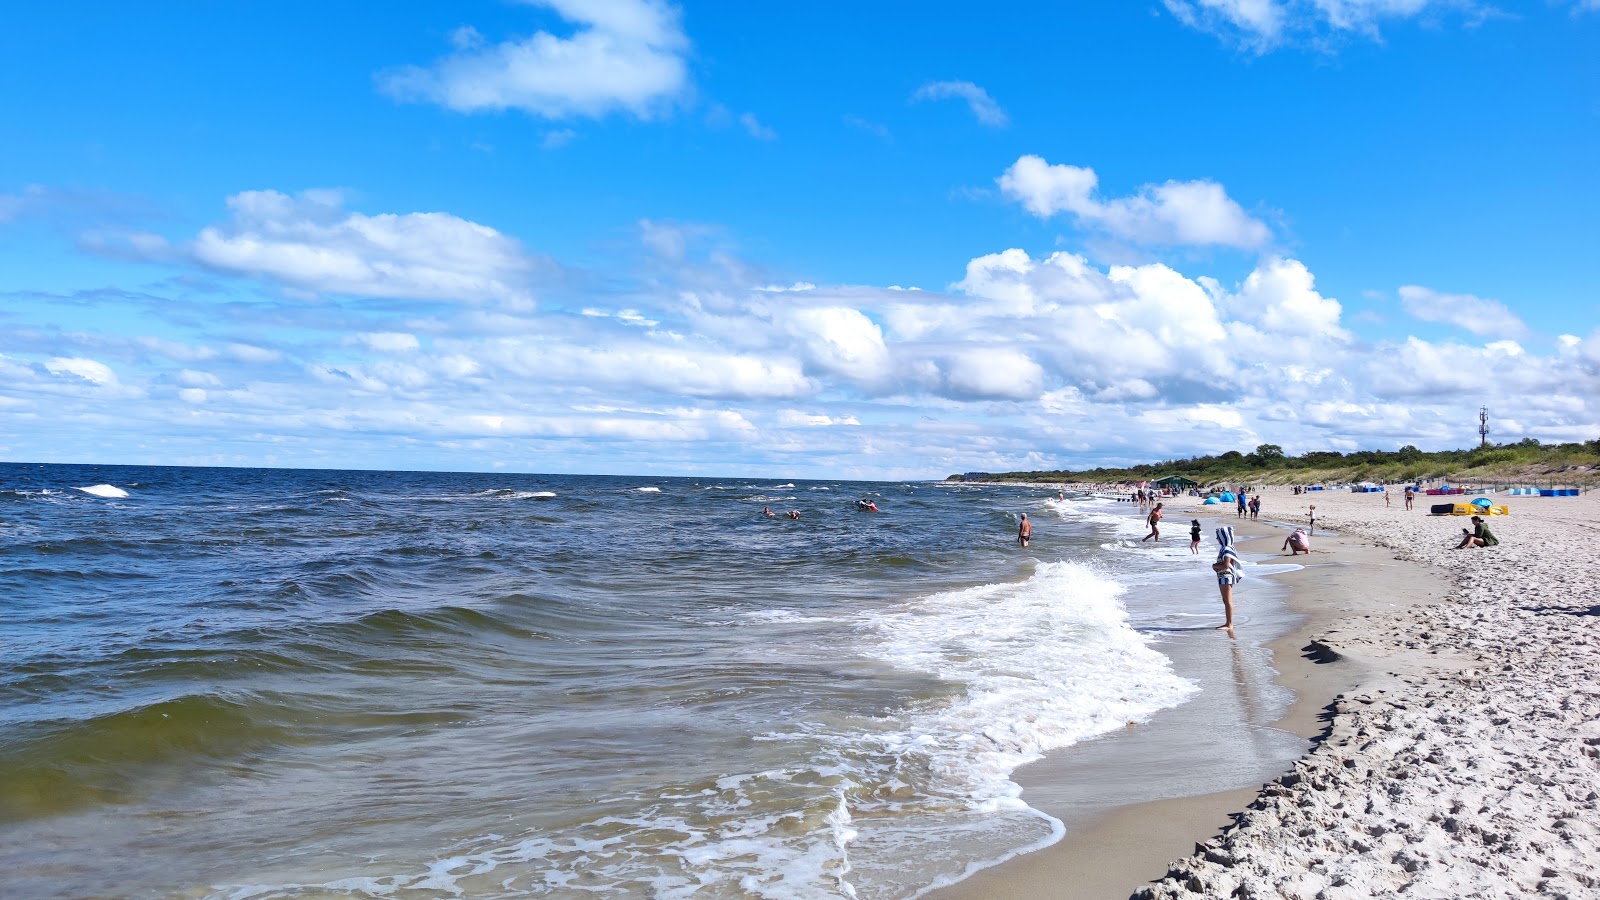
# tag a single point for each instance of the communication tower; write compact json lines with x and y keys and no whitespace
{"x":1483,"y":426}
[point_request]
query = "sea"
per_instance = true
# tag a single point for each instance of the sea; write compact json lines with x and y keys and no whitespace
{"x":265,"y":683}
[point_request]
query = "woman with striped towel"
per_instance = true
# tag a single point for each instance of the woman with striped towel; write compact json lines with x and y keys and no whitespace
{"x":1230,"y":570}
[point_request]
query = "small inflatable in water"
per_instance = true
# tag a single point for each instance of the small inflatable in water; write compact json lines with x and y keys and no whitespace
{"x":106,"y":491}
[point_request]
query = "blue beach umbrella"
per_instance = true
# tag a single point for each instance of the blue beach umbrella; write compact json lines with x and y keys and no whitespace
{"x":1482,"y":502}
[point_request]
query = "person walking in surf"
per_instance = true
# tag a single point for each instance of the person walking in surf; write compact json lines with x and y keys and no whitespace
{"x":1155,"y":525}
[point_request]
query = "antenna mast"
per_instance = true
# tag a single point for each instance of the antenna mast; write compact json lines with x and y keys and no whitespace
{"x":1483,"y":426}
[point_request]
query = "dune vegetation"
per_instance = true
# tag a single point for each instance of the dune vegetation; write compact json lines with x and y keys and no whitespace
{"x":1524,"y":463}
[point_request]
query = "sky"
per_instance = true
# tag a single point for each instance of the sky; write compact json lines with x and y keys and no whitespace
{"x":893,"y":240}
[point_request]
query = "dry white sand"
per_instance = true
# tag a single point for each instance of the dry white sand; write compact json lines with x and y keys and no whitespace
{"x":1474,"y":779}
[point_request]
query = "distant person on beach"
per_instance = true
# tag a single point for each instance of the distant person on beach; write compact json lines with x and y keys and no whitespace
{"x":1385,"y":499}
{"x":1297,"y":542}
{"x":1312,"y":515}
{"x":1024,"y":531}
{"x":1194,"y":536}
{"x":1230,"y":571}
{"x":1410,"y":495}
{"x":1255,"y":507}
{"x":1242,"y":505}
{"x":1155,"y":525}
{"x":1479,"y":536}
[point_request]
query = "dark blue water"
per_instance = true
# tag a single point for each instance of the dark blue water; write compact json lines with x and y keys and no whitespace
{"x":269,"y":683}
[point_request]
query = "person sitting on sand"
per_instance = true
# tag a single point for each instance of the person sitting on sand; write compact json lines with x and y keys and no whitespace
{"x":1297,"y":542}
{"x":1479,"y":536}
{"x":1230,"y":571}
{"x":1155,"y":525}
{"x":1194,"y":536}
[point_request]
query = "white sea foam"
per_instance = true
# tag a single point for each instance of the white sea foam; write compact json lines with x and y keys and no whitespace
{"x":108,"y":491}
{"x":648,"y":490}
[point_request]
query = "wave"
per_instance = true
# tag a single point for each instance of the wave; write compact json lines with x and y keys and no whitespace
{"x":511,"y":494}
{"x":106,"y":491}
{"x":648,"y":490}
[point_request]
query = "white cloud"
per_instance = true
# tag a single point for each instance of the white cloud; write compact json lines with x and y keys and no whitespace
{"x":623,"y":56}
{"x":842,"y":341}
{"x":1264,"y":24}
{"x":1475,"y":314}
{"x":390,"y":341}
{"x":251,"y":354}
{"x":1195,"y":213}
{"x":192,"y":395}
{"x":310,"y":242}
{"x":92,"y":371}
{"x":558,"y":138}
{"x":198,"y":379}
{"x":999,"y":373}
{"x":983,"y":106}
{"x":757,"y":130}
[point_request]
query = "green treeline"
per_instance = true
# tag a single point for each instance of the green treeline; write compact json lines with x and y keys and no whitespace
{"x":1527,"y":459}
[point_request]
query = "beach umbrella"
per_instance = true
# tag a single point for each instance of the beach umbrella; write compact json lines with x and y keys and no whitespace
{"x":1482,"y":502}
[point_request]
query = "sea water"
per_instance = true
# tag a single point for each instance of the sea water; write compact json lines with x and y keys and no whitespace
{"x":248,"y":684}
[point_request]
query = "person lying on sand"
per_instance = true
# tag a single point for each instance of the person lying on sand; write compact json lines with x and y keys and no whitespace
{"x":1479,"y":536}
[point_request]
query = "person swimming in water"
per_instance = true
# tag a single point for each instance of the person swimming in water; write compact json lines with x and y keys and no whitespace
{"x":767,"y":511}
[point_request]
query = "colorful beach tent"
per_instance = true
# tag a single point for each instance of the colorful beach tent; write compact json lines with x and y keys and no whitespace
{"x":1228,"y":497}
{"x":1211,"y":501}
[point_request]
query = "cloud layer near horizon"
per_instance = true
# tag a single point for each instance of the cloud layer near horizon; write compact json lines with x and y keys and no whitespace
{"x":339,"y":337}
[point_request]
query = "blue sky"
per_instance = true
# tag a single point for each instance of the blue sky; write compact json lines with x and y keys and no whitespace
{"x":899,"y":240}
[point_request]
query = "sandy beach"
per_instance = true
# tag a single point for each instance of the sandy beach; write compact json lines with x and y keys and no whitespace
{"x":1452,"y":712}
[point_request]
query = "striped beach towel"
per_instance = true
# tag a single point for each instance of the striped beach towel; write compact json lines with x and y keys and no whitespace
{"x":1226,"y":552}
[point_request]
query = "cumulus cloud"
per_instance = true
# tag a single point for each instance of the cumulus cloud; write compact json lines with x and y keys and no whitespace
{"x":983,"y":107}
{"x":624,"y":56}
{"x":1475,"y":314}
{"x":1194,"y":213}
{"x":310,"y":242}
{"x":701,"y":362}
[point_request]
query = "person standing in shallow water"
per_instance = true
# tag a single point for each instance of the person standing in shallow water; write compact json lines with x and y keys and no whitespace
{"x":1155,"y":525}
{"x":1194,"y":536}
{"x":1024,"y":531}
{"x":1230,"y":571}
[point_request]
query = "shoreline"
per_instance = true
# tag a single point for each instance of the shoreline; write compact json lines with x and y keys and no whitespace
{"x":1114,"y":851}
